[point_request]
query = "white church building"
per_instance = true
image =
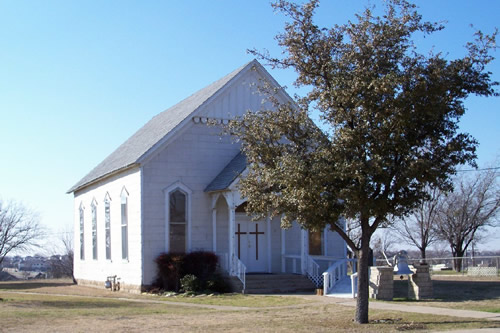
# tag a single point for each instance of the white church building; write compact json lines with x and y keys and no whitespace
{"x":173,"y":187}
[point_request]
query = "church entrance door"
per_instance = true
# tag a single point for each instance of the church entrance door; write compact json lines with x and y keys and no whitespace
{"x":251,"y":243}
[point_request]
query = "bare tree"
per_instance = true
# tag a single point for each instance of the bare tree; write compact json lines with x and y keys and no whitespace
{"x":61,"y":261}
{"x":19,"y":228}
{"x":440,"y":250}
{"x":418,"y":229}
{"x":472,"y":206}
{"x":383,"y":244}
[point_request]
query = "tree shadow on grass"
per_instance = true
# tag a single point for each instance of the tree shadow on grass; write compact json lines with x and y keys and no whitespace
{"x":400,"y":325}
{"x":85,"y":304}
{"x":29,"y":285}
{"x":454,"y":291}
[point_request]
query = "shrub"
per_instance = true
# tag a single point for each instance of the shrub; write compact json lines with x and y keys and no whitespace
{"x":202,"y":264}
{"x":191,"y":283}
{"x":217,"y":284}
{"x":170,"y":270}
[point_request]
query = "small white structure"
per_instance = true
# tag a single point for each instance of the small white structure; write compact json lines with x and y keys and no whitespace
{"x":172,"y":187}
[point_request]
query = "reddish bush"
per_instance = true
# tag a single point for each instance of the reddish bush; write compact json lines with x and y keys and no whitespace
{"x":173,"y":266}
{"x":170,"y":270}
{"x":201,"y":264}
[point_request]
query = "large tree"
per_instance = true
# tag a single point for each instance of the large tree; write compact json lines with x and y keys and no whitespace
{"x":473,"y":205}
{"x":19,"y":228}
{"x":390,"y":124}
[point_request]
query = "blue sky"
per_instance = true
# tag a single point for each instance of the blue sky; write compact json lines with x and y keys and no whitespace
{"x":78,"y":78}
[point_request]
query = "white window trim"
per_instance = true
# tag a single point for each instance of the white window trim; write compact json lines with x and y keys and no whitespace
{"x":107,"y":200}
{"x":187,"y":191}
{"x":93,"y":213}
{"x":81,"y":230}
{"x":124,"y":195}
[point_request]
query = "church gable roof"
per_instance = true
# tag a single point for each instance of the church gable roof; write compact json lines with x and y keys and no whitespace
{"x":157,"y":129}
{"x":230,"y":172}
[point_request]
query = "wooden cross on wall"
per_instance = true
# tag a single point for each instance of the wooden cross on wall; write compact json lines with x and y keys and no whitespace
{"x":256,"y":233}
{"x":239,"y":233}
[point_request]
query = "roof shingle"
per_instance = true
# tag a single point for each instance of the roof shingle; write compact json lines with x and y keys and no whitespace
{"x":130,"y":152}
{"x":230,"y":172}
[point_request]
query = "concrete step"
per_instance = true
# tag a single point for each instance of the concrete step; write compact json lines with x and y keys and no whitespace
{"x":278,"y":284}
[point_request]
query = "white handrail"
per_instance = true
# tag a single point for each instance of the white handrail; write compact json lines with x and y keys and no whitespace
{"x":335,"y":273}
{"x":235,"y":267}
{"x":312,"y":266}
{"x":239,"y":270}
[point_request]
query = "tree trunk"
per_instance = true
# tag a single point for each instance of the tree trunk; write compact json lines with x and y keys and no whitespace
{"x":362,"y":300}
{"x":422,"y":252}
{"x":457,"y":263}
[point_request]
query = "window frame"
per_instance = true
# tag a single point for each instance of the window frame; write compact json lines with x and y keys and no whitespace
{"x":81,"y":210}
{"x":107,"y":226}
{"x":93,"y":213}
{"x":124,"y":217}
{"x":178,"y":186}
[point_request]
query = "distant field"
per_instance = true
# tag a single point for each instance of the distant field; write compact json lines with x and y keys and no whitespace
{"x":40,"y":306}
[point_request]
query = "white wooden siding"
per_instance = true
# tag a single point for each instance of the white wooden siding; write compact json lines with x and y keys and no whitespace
{"x":97,"y":270}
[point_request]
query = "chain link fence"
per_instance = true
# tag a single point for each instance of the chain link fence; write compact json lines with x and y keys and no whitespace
{"x":472,"y":266}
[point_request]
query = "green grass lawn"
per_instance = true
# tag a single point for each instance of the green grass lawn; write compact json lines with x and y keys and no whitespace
{"x":40,"y":307}
{"x":239,"y":300}
{"x":23,"y":312}
{"x":67,"y":288}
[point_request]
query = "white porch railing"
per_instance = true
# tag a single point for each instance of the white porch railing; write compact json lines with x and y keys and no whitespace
{"x":312,"y":270}
{"x":234,"y":268}
{"x":314,"y":266}
{"x":239,"y":270}
{"x":296,"y":263}
{"x":336,"y":272}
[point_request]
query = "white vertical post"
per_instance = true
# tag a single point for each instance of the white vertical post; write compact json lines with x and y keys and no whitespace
{"x":214,"y":229}
{"x":269,"y":252}
{"x":303,"y":253}
{"x":231,"y":236}
{"x":231,"y":208}
{"x":283,"y":251}
{"x":215,"y":197}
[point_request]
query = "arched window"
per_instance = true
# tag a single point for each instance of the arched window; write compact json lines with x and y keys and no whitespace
{"x":82,"y":235}
{"x":178,"y":218}
{"x":93,"y":207}
{"x":107,"y":225}
{"x":124,"y":223}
